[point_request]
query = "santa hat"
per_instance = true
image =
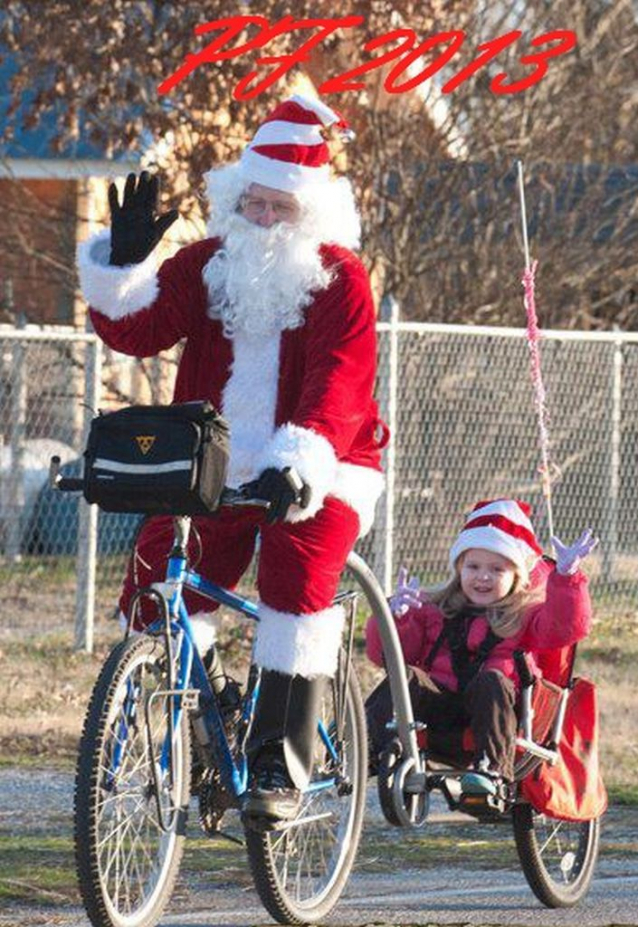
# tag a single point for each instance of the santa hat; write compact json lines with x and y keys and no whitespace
{"x":504,"y":527}
{"x":289,"y":151}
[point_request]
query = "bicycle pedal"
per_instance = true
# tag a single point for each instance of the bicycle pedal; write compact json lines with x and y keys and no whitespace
{"x":214,"y":802}
{"x":483,"y":807}
{"x":261,"y":824}
{"x":477,"y":802}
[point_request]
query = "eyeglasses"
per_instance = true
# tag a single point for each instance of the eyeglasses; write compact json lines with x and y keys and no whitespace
{"x":257,"y":206}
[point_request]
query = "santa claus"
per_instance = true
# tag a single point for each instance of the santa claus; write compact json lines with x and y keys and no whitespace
{"x":277,"y":320}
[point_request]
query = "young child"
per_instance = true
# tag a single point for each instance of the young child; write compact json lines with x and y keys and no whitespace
{"x":459,"y":640}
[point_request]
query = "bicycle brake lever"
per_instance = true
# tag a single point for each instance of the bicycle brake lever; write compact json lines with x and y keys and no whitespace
{"x":300,"y":489}
{"x":255,"y":503}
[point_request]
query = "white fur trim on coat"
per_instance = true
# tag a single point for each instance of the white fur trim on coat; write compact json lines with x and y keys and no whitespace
{"x":249,"y":400}
{"x":360,"y":488}
{"x":313,"y":458}
{"x":115,"y":291}
{"x":303,"y":644}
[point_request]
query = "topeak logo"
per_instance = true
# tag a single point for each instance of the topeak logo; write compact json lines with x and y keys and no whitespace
{"x":145,"y":442}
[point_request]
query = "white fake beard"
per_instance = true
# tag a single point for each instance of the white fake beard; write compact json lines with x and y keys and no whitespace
{"x":261,"y":279}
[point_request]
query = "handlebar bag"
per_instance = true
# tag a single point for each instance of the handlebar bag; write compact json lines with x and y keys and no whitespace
{"x":169,"y":460}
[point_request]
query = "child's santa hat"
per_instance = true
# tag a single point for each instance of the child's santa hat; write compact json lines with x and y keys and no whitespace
{"x":289,"y":150}
{"x":504,"y":527}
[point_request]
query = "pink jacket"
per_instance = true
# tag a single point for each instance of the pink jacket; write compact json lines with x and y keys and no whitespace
{"x":563,"y":618}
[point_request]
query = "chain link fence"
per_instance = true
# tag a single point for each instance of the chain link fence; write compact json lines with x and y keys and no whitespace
{"x":61,"y":560}
{"x":459,"y":402}
{"x":465,"y":429}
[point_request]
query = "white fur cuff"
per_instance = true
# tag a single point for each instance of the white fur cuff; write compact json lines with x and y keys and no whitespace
{"x":360,"y":488}
{"x":303,"y":644}
{"x":115,"y":291}
{"x":313,"y":458}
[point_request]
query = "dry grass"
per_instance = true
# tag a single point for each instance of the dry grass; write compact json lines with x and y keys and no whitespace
{"x":45,"y":689}
{"x":609,"y":657}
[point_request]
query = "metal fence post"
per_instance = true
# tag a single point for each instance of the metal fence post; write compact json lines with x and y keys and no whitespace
{"x":17,"y":438}
{"x":610,"y":535}
{"x":384,"y":554}
{"x":88,"y":514}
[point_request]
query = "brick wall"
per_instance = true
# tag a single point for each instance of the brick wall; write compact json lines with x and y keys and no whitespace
{"x":38,"y":221}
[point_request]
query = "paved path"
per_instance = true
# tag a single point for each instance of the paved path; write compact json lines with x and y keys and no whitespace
{"x":388,"y":886}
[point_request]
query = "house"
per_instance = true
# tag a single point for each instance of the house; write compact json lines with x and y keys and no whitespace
{"x":49,"y":199}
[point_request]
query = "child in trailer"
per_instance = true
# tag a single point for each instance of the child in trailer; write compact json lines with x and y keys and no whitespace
{"x":459,"y":639}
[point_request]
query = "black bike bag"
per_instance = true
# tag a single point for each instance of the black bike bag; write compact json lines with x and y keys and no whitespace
{"x":157,"y":460}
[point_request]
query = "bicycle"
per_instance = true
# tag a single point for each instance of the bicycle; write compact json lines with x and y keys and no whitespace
{"x":152,"y":702}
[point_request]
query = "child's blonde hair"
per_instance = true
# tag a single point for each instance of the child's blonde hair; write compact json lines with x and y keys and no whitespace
{"x":505,"y":617}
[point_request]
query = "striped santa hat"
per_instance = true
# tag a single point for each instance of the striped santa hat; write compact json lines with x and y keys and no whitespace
{"x":504,"y":527}
{"x":289,"y":151}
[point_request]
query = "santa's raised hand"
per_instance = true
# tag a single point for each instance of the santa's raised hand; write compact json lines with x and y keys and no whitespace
{"x":135,"y":226}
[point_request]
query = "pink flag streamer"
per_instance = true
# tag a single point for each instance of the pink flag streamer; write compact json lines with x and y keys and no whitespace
{"x":533,"y":339}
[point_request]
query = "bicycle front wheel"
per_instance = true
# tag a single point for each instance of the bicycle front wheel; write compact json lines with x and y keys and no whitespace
{"x":132,"y":789}
{"x":301,"y":869}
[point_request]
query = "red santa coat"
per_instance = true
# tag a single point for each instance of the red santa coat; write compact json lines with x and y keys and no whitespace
{"x":563,"y":618}
{"x":301,"y":398}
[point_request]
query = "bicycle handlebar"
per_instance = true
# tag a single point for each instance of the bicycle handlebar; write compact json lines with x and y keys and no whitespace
{"x":244,"y":494}
{"x":236,"y":498}
{"x":232,"y":498}
{"x":63,"y":483}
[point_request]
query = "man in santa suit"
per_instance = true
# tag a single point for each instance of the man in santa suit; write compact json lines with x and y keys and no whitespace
{"x":278,"y":326}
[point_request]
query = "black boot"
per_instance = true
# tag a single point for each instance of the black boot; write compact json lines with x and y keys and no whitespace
{"x":304,"y":713}
{"x":281,"y":742}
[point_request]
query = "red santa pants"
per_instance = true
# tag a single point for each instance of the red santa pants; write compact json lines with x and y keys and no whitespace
{"x":299,"y":563}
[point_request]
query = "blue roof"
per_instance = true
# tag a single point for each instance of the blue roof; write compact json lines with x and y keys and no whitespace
{"x":37,"y":142}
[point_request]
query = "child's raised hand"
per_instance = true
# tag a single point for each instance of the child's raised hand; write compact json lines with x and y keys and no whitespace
{"x":406,"y":594}
{"x":568,"y":559}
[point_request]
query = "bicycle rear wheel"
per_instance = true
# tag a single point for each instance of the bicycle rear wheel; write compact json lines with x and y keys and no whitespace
{"x":131,"y":802}
{"x":558,"y":857}
{"x":301,"y":869}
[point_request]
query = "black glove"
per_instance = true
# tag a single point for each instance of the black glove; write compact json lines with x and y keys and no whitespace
{"x":134,"y":229}
{"x":282,"y":488}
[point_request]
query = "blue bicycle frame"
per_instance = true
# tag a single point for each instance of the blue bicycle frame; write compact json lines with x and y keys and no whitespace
{"x":192,"y":675}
